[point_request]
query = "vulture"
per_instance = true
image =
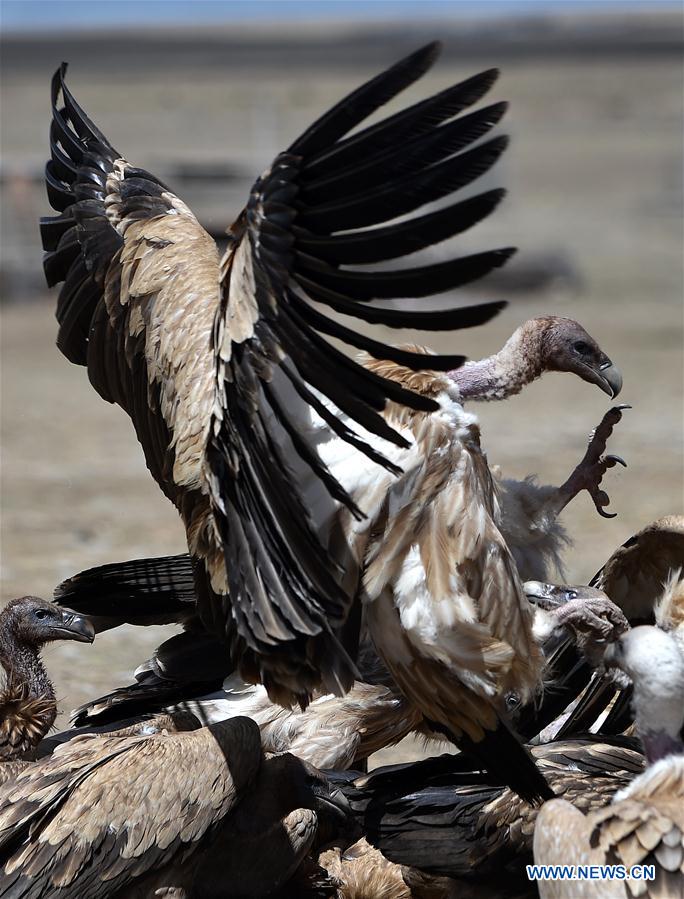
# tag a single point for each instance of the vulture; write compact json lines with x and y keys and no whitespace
{"x":332,"y":732}
{"x":224,"y":365}
{"x":644,"y":824}
{"x":237,"y":397}
{"x":28,"y":706}
{"x":202,"y":813}
{"x":634,"y":578}
{"x":309,"y":483}
{"x":446,"y":822}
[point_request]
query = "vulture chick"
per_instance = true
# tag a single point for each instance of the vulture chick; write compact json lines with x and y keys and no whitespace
{"x":447,"y":822}
{"x":224,"y":366}
{"x":28,"y":706}
{"x":644,"y":825}
{"x":202,"y":813}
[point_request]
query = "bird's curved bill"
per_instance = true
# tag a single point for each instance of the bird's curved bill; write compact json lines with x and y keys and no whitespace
{"x":74,"y":627}
{"x":609,"y":379}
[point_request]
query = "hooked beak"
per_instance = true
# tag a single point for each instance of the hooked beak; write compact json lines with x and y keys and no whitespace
{"x":73,"y":627}
{"x":332,"y":801}
{"x":609,"y":378}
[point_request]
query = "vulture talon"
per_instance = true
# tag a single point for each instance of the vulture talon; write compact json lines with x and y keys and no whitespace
{"x":589,"y":473}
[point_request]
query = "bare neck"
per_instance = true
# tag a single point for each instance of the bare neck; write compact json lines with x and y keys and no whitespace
{"x":505,"y":373}
{"x":658,"y":744}
{"x":24,"y":667}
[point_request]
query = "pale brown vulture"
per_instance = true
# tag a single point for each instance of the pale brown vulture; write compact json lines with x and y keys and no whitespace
{"x":265,"y":436}
{"x":28,"y":706}
{"x":644,"y":825}
{"x":224,"y":366}
{"x":201,"y":813}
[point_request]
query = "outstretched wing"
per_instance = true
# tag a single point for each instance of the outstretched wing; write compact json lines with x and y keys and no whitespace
{"x":226,"y":370}
{"x":283,"y":387}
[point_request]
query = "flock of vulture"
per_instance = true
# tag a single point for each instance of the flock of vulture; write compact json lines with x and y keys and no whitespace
{"x":355,"y":570}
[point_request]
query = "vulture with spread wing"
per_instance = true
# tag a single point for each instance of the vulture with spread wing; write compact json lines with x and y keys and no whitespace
{"x":308,"y":482}
{"x":224,"y":365}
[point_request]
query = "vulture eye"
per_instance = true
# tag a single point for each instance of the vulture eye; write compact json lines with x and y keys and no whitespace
{"x":40,"y":614}
{"x":571,"y":594}
{"x":581,"y":347}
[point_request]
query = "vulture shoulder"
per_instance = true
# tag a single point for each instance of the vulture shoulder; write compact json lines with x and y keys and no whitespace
{"x":103,"y":811}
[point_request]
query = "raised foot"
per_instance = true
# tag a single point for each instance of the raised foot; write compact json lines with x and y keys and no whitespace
{"x":589,"y":473}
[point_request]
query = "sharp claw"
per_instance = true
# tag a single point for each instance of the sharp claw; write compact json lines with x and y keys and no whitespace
{"x":612,"y":458}
{"x":621,"y":407}
{"x":605,"y":514}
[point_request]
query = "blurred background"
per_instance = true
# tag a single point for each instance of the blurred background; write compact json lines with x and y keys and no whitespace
{"x":204,"y":94}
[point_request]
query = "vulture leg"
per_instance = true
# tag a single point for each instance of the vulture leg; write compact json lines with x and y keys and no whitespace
{"x":589,"y":473}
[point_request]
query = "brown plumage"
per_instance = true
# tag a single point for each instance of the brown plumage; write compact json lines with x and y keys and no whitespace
{"x":455,"y":823}
{"x":362,"y":872}
{"x":644,"y":824}
{"x":635,"y":575}
{"x":641,"y":577}
{"x":445,"y":605}
{"x":125,"y":816}
{"x":224,"y":366}
{"x":27,"y":702}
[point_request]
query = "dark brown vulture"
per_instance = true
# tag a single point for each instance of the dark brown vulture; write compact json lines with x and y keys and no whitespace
{"x":242,"y":406}
{"x":430,"y":816}
{"x":644,"y":824}
{"x":191,"y":814}
{"x":28,"y":706}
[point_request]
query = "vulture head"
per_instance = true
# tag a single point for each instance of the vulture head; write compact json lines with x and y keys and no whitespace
{"x":547,"y":343}
{"x":566,"y":346}
{"x":297,"y":784}
{"x":30,"y":621}
{"x":653,"y":661}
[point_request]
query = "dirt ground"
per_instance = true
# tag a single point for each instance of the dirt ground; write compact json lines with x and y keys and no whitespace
{"x":594,"y":172}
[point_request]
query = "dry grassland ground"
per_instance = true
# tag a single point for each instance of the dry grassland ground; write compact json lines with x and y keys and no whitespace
{"x":593,"y":171}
